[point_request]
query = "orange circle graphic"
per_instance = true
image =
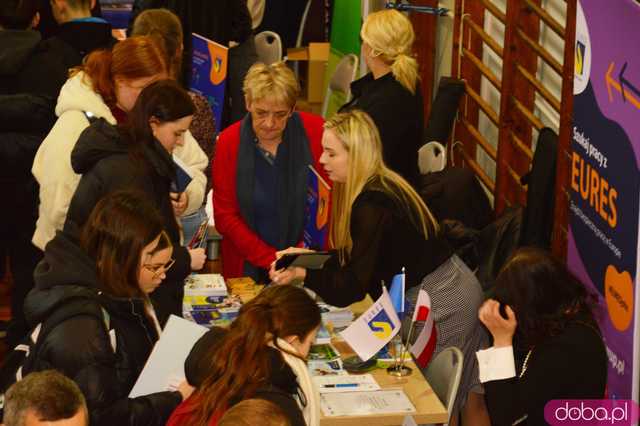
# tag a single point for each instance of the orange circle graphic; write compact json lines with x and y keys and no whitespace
{"x":619,"y":297}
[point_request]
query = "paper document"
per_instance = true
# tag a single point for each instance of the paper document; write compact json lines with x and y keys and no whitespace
{"x":365,"y":403}
{"x":350,"y":383}
{"x":165,"y":365}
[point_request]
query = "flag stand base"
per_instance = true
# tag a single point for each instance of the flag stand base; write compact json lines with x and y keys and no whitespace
{"x":399,"y":371}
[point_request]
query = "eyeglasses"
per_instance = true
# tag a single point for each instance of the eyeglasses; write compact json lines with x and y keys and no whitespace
{"x":278,"y":116}
{"x":158,"y":270}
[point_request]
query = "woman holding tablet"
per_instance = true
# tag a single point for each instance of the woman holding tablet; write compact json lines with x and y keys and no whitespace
{"x":379,"y":225}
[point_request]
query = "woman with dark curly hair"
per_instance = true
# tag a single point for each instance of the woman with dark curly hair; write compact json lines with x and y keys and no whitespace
{"x":564,"y":355}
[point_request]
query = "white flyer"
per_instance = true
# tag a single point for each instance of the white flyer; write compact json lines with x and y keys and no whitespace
{"x":366,"y":403}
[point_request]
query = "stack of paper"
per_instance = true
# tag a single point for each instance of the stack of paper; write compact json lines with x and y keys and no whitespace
{"x":338,"y":318}
{"x":204,"y":285}
{"x":214,"y":313}
{"x":366,"y":403}
{"x":207,"y":302}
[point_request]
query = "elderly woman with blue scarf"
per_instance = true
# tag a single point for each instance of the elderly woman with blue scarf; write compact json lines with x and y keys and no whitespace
{"x":260,"y":171}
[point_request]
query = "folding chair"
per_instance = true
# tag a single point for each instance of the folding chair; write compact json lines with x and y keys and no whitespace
{"x":340,"y":82}
{"x":444,"y":373}
{"x":268,"y":47}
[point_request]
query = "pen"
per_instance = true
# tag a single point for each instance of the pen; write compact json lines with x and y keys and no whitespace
{"x":341,"y":385}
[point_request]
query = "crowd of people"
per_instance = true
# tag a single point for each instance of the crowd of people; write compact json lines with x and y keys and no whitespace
{"x":96,"y":229}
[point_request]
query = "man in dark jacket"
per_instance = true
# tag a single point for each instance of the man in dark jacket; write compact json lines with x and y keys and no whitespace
{"x":32,"y":73}
{"x":48,"y":27}
{"x":78,"y":35}
{"x":26,"y":115}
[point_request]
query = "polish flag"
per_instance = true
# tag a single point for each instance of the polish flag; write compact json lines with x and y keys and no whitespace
{"x":422,"y":349}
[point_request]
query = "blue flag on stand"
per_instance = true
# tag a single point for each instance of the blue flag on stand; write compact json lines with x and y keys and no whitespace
{"x":397,"y":293}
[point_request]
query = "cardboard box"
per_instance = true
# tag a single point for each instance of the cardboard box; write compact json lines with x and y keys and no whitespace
{"x":317,"y":55}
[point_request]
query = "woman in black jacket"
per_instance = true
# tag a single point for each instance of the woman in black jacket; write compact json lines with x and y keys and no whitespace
{"x":564,"y":355}
{"x":391,"y":93}
{"x":138,"y":156}
{"x":91,"y":296}
{"x":380,"y":225}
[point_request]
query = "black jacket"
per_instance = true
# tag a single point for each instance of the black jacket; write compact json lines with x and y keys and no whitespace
{"x":80,"y":347}
{"x":19,"y":54}
{"x":384,"y":242}
{"x":456,"y":194}
{"x":73,"y":41}
{"x":48,"y":26}
{"x":30,"y":65}
{"x":25,"y":120}
{"x":280,"y":388}
{"x":399,"y":116}
{"x":221,"y":21}
{"x":572,"y":365}
{"x":26,"y":116}
{"x":102,"y":157}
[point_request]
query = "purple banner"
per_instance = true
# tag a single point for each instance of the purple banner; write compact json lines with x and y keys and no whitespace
{"x":605,"y":178}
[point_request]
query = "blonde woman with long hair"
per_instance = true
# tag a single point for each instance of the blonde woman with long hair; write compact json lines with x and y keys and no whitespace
{"x":391,"y":92}
{"x":380,"y":225}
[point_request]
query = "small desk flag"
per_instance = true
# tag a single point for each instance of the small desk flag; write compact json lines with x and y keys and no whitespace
{"x":374,"y":328}
{"x":422,"y":349}
{"x":397,"y":293}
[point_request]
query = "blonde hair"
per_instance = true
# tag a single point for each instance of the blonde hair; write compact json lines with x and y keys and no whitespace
{"x":246,"y":412}
{"x":276,"y":82}
{"x":390,"y":35}
{"x":360,"y":138}
{"x":167,"y":28}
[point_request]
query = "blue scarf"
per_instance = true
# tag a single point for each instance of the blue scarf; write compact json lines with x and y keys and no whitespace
{"x":292,"y":190}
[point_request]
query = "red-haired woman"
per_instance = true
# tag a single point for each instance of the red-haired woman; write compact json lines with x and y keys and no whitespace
{"x":262,"y":355}
{"x":105,"y":86}
{"x":91,"y":297}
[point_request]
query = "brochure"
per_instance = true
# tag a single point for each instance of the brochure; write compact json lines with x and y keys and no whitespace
{"x":165,"y":365}
{"x":316,"y":211}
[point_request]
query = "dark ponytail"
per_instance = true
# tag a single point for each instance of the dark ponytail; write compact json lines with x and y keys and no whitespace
{"x":241,"y":363}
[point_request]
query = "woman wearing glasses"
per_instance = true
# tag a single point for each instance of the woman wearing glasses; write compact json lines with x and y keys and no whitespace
{"x":91,"y":297}
{"x":260,"y":171}
{"x":137,"y":155}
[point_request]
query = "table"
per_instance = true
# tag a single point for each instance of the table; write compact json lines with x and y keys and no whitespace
{"x":429,"y":409}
